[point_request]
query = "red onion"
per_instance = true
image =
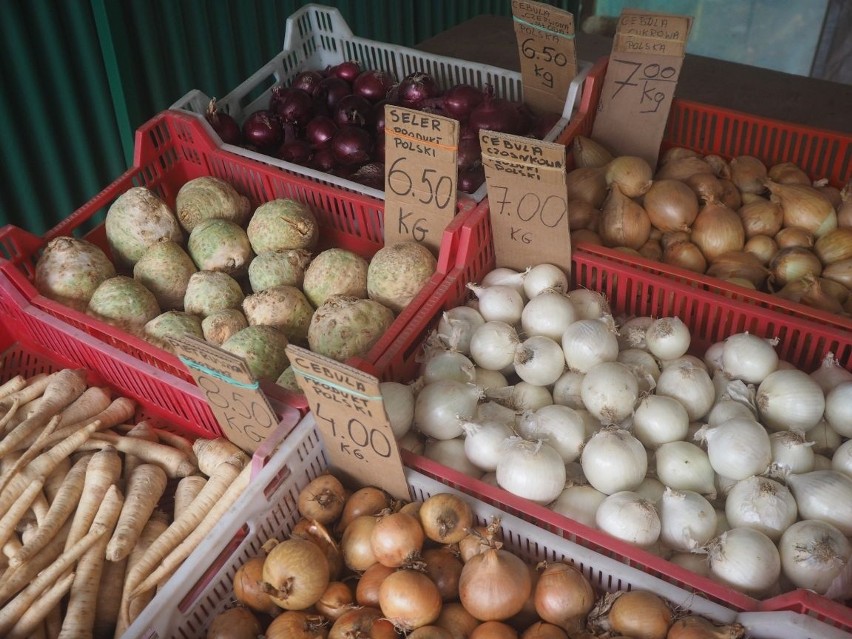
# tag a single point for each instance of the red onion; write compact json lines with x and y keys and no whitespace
{"x":524,"y":117}
{"x":295,"y":106}
{"x":544,"y":123}
{"x":320,"y":130}
{"x":334,"y":89}
{"x":376,"y":118}
{"x":460,"y":100}
{"x":262,"y":130}
{"x":417,"y":87}
{"x":373,"y":85}
{"x":471,"y":179}
{"x":348,"y":70}
{"x":323,"y":159}
{"x":468,"y":154}
{"x":494,"y":114}
{"x":353,"y":110}
{"x":351,"y":145}
{"x":379,"y":148}
{"x":224,"y":125}
{"x":308,"y":81}
{"x":296,"y":151}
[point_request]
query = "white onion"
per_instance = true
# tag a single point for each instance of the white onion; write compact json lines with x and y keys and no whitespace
{"x":659,"y":419}
{"x":643,"y":365}
{"x":483,"y":442}
{"x":440,"y":408}
{"x":560,"y":426}
{"x":791,"y":451}
{"x":824,"y":437}
{"x":490,"y":479}
{"x":838,"y":408}
{"x":587,"y":342}
{"x":694,"y":562}
{"x":725,"y":409}
{"x":842,"y":458}
{"x":723,"y":485}
{"x":588,"y":304}
{"x":574,"y":474}
{"x":490,"y":411}
{"x":687,"y":519}
{"x":498,"y":303}
{"x":651,"y":489}
{"x":548,"y":314}
{"x":825,"y":495}
{"x":761,"y":503}
{"x":566,"y":389}
{"x":789,"y":399}
{"x":412,"y":442}
{"x":684,"y":466}
{"x":504,"y":276}
{"x":713,"y":357}
{"x":522,"y":396}
{"x":821,"y":462}
{"x":539,"y":360}
{"x":457,"y":325}
{"x":627,"y":516}
{"x":631,"y":334}
{"x":667,"y":338}
{"x":580,"y":503}
{"x":721,"y":522}
{"x":737,"y":448}
{"x":688,"y":360}
{"x":590,"y":423}
{"x":398,"y":400}
{"x":485,"y":378}
{"x":533,"y":470}
{"x":446,"y":364}
{"x":493,"y":344}
{"x":749,"y":357}
{"x":544,"y":277}
{"x":613,"y":460}
{"x":450,"y":453}
{"x":690,"y":385}
{"x":746,"y":560}
{"x":830,"y":373}
{"x":609,"y":392}
{"x":813,"y":554}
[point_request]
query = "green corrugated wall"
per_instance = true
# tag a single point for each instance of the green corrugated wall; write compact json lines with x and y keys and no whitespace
{"x":80,"y":76}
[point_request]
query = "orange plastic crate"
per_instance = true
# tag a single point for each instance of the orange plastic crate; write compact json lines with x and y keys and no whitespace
{"x":173,"y":148}
{"x":710,"y":129}
{"x":634,"y":293}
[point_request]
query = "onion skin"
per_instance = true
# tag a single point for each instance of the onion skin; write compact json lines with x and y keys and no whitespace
{"x":695,"y":627}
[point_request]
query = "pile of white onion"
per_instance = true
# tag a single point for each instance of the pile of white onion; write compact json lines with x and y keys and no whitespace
{"x":734,"y":464}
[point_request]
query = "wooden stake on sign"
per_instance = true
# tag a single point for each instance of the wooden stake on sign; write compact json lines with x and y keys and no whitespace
{"x":528,"y":200}
{"x":350,"y":414}
{"x":548,"y":57}
{"x":644,"y":67}
{"x":420,"y":176}
{"x":234,"y":396}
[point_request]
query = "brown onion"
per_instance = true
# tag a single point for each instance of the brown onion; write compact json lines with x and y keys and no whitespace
{"x":494,"y":585}
{"x":336,"y":600}
{"x":623,"y":222}
{"x":364,"y":623}
{"x":652,"y":250}
{"x":322,"y":499}
{"x":412,"y":508}
{"x":364,"y":501}
{"x":585,"y":236}
{"x":793,"y":263}
{"x":804,"y":206}
{"x":748,"y":174}
{"x":815,"y":296}
{"x":668,"y":239}
{"x":457,"y":620}
{"x":563,"y":596}
{"x":638,"y":613}
{"x":631,"y":174}
{"x":541,"y":630}
{"x":444,"y":568}
{"x":409,"y":599}
{"x":763,"y":247}
{"x":590,"y":154}
{"x":739,"y":264}
{"x":761,"y":217}
{"x":837,"y":290}
{"x":706,"y":186}
{"x":446,"y":518}
{"x":430,"y":632}
{"x":717,"y":230}
{"x":582,"y":215}
{"x":676,"y":153}
{"x":295,"y":624}
{"x":794,"y":236}
{"x":840,"y":272}
{"x":720,"y":166}
{"x":315,"y":532}
{"x":295,"y":574}
{"x":695,"y":627}
{"x":367,"y":589}
{"x":234,"y":623}
{"x":671,"y":205}
{"x":355,"y":544}
{"x":685,"y":255}
{"x":731,"y":195}
{"x":834,"y":246}
{"x":479,"y":539}
{"x":788,"y":173}
{"x":527,"y":615}
{"x":396,"y":539}
{"x":844,"y":209}
{"x":494,"y":630}
{"x":682,"y":169}
{"x":248,"y":587}
{"x":587,"y":184}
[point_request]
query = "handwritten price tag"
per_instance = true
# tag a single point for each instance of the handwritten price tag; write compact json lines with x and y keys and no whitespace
{"x":545,"y":37}
{"x":351,"y":418}
{"x":643,"y":71}
{"x":234,"y":396}
{"x":420,"y":175}
{"x":528,"y":198}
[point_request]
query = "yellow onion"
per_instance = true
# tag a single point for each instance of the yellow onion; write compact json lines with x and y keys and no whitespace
{"x":804,"y":206}
{"x":834,"y":246}
{"x":455,"y":618}
{"x":295,"y":574}
{"x":640,"y":614}
{"x":652,"y":250}
{"x":671,"y":205}
{"x":808,"y":290}
{"x":676,"y":153}
{"x":794,"y":236}
{"x":717,"y":229}
{"x":337,"y":599}
{"x":685,"y":255}
{"x":788,"y":173}
{"x":494,"y":585}
{"x":494,"y":630}
{"x":541,"y":630}
{"x":587,"y":184}
{"x":706,"y":186}
{"x":295,"y":624}
{"x":844,"y":209}
{"x":315,"y":532}
{"x":590,"y":154}
{"x":235,"y":623}
{"x":748,"y":174}
{"x":563,"y":595}
{"x":748,"y":198}
{"x":623,"y":221}
{"x":582,"y":215}
{"x":741,"y":281}
{"x":762,"y":246}
{"x":761,"y":217}
{"x":585,"y":236}
{"x":731,"y":196}
{"x":631,"y":174}
{"x":409,"y":599}
{"x":739,"y":264}
{"x":840,"y":272}
{"x":695,"y":627}
{"x":682,"y":168}
{"x":792,"y":263}
{"x":667,"y":239}
{"x":837,"y":290}
{"x":719,"y":165}
{"x":248,"y":587}
{"x":831,"y":192}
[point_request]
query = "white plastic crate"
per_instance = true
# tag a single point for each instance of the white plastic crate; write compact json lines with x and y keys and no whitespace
{"x":316,"y":37}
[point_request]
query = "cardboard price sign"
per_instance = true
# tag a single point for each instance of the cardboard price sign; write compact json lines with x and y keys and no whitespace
{"x":420,"y":175}
{"x":528,"y":198}
{"x":234,"y":396}
{"x":351,"y":418}
{"x":545,"y":37}
{"x":644,"y":66}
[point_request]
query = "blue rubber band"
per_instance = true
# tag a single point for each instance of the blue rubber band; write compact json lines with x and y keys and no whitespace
{"x":226,"y":378}
{"x":325,"y":382}
{"x":567,"y":36}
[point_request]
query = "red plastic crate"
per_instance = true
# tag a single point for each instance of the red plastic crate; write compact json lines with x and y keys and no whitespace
{"x":173,"y":148}
{"x":630,"y":293}
{"x":709,"y":129}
